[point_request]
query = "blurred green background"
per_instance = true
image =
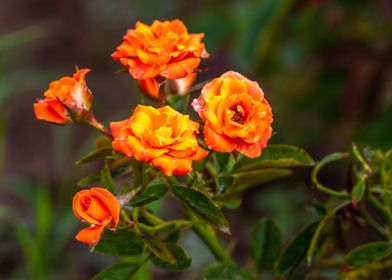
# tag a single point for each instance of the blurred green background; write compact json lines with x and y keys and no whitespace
{"x":325,"y":67}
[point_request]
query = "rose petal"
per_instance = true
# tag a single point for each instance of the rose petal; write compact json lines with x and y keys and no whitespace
{"x":90,"y":235}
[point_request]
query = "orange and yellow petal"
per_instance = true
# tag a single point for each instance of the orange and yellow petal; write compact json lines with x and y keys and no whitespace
{"x":217,"y":142}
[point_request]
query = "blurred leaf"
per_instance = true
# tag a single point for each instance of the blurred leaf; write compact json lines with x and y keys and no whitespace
{"x":275,"y":156}
{"x":260,"y":21}
{"x":217,"y":23}
{"x":182,"y":260}
{"x":223,"y":162}
{"x":295,"y":253}
{"x":152,"y":193}
{"x":328,"y":159}
{"x":224,"y":183}
{"x":21,"y":36}
{"x":266,"y":241}
{"x":202,"y":206}
{"x":245,"y":180}
{"x":96,"y":178}
{"x":106,"y":178}
{"x":178,"y":102}
{"x":316,"y":236}
{"x":103,"y":141}
{"x":171,"y":226}
{"x":89,"y":180}
{"x":96,"y":155}
{"x":358,"y":191}
{"x":221,"y":271}
{"x":319,"y":207}
{"x":119,"y":271}
{"x":368,"y":253}
{"x":123,"y":242}
{"x":159,"y":248}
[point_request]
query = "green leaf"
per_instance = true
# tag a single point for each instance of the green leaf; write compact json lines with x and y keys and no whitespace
{"x":245,"y":180}
{"x":119,"y":271}
{"x":266,"y":240}
{"x":328,"y":159}
{"x":316,"y":236}
{"x":106,"y":178}
{"x":275,"y":156}
{"x":202,"y":206}
{"x":171,"y":226}
{"x":223,"y":162}
{"x":103,"y":141}
{"x":224,"y":183}
{"x":221,"y":271}
{"x":296,"y":251}
{"x":158,"y":248}
{"x":123,"y":242}
{"x":359,"y":189}
{"x":178,"y":102}
{"x":96,"y":155}
{"x":152,"y":193}
{"x":89,"y":180}
{"x":368,"y":253}
{"x":182,"y":260}
{"x":96,"y":178}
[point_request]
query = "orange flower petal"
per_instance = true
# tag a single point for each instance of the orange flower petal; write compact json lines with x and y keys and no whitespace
{"x":162,"y":136}
{"x":151,"y":87}
{"x":217,"y":142}
{"x":116,"y":127}
{"x":164,"y":48}
{"x":51,"y":111}
{"x":173,"y":166}
{"x":180,"y":68}
{"x":143,"y":152}
{"x":113,"y":204}
{"x":200,"y":154}
{"x":90,"y":235}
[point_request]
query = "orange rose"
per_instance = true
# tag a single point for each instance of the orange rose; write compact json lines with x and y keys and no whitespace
{"x":163,"y":137}
{"x":67,"y":100}
{"x":162,"y":50}
{"x":236,"y":115}
{"x":98,"y":207}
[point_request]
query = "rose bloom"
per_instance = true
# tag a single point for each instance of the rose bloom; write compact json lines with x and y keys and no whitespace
{"x":162,"y":50}
{"x":236,"y":115}
{"x":162,"y":136}
{"x":98,"y":207}
{"x":66,"y":100}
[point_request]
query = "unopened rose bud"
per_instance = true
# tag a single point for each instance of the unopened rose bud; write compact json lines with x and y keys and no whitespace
{"x":67,"y":100}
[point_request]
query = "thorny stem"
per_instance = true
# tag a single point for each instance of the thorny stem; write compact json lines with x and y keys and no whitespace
{"x":93,"y":122}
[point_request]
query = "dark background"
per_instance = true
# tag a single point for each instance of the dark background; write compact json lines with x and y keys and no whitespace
{"x":325,"y":67}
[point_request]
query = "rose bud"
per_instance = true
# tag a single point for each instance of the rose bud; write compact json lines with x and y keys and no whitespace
{"x":67,"y":100}
{"x":98,"y":207}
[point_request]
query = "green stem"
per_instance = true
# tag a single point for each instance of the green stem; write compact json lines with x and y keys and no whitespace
{"x":208,"y":236}
{"x":93,"y":122}
{"x":373,"y":224}
{"x":386,"y":214}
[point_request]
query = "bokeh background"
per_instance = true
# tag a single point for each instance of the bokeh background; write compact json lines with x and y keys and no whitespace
{"x":325,"y":67}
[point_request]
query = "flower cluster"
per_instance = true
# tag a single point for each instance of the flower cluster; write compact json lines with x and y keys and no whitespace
{"x":234,"y":112}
